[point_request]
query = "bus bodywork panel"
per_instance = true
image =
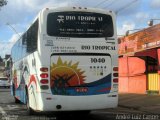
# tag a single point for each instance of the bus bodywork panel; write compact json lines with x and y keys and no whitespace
{"x":75,"y":103}
{"x":79,"y":70}
{"x":80,"y":74}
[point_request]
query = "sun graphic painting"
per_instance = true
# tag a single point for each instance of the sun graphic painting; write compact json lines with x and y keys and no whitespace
{"x":66,"y":74}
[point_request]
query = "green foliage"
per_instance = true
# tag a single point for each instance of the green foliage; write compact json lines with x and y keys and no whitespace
{"x":3,"y":2}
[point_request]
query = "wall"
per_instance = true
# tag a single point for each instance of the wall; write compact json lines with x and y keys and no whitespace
{"x":132,"y":77}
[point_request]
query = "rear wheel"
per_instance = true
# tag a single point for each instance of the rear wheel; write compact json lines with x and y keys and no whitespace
{"x":30,"y":111}
{"x":16,"y":100}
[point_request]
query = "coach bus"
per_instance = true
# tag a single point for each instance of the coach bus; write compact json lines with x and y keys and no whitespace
{"x":67,"y":61}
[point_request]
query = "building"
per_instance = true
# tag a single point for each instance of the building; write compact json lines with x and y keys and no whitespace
{"x":139,"y":61}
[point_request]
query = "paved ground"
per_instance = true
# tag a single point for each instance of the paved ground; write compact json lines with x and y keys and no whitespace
{"x":142,"y":102}
{"x":131,"y":107}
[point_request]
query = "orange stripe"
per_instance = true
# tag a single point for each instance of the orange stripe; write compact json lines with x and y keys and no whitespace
{"x":32,"y":80}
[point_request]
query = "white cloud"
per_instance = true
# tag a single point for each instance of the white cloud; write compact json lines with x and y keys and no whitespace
{"x":33,"y":4}
{"x":141,"y":16}
{"x":14,"y":38}
{"x":5,"y":47}
{"x":17,"y":11}
{"x":37,"y":5}
{"x":53,"y":4}
{"x":155,"y":3}
{"x":121,"y":30}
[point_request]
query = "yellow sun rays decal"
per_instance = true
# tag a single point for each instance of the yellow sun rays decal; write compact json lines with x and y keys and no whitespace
{"x":65,"y":74}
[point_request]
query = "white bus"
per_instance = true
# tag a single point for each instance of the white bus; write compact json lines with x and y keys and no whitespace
{"x":67,"y":60}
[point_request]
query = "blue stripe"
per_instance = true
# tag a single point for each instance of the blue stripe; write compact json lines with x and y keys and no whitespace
{"x":101,"y":86}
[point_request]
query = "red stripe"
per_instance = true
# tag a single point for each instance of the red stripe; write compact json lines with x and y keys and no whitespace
{"x":32,"y":80}
{"x":104,"y":89}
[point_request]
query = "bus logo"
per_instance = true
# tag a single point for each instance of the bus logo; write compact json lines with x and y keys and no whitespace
{"x":60,"y":19}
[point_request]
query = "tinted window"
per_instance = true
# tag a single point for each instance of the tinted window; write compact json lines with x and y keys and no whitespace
{"x":79,"y":24}
{"x":26,"y":44}
{"x":32,"y":35}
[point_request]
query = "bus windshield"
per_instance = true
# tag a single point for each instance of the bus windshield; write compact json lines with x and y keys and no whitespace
{"x":79,"y":24}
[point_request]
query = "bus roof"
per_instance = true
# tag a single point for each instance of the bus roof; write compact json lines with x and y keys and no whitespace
{"x":85,"y":9}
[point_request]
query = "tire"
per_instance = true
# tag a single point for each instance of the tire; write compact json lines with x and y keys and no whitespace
{"x":30,"y":111}
{"x":14,"y":92}
{"x":16,"y":100}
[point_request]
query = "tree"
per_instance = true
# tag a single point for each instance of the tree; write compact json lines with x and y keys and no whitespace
{"x":3,"y":2}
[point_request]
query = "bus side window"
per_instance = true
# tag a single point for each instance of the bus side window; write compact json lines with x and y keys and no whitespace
{"x":29,"y":44}
{"x":32,"y":34}
{"x":24,"y":45}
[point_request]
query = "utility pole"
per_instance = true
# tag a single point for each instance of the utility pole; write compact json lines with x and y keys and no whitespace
{"x":13,"y":29}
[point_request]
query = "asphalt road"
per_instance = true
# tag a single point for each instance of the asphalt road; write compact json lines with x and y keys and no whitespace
{"x":11,"y":111}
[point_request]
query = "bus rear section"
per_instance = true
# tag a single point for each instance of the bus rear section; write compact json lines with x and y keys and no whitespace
{"x":83,"y":59}
{"x":79,"y":82}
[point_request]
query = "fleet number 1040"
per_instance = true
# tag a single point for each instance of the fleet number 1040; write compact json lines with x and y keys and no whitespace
{"x":98,"y":60}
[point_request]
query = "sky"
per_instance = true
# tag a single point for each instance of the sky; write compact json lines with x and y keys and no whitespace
{"x":131,"y":14}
